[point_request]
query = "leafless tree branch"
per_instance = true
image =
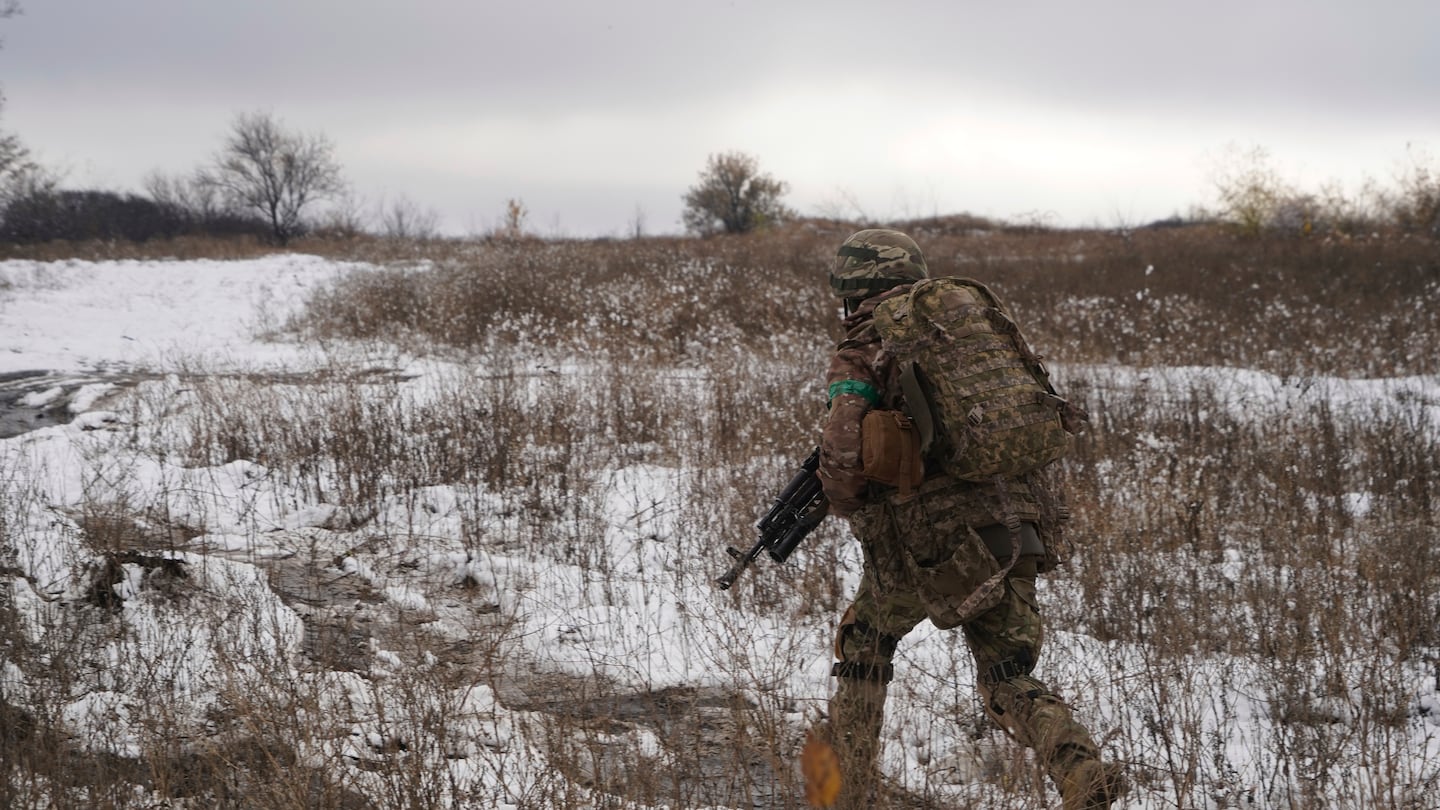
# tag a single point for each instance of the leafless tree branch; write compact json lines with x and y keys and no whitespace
{"x":274,"y":172}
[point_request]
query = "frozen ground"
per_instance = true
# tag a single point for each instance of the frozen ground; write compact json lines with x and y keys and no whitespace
{"x":295,"y":582}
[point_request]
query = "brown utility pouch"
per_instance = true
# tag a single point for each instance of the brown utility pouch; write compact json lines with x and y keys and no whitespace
{"x":890,"y":451}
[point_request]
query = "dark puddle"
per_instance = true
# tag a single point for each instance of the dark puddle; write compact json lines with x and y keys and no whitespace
{"x":35,"y":398}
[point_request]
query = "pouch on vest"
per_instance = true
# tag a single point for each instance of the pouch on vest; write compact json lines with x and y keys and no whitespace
{"x":890,"y":451}
{"x":960,"y":587}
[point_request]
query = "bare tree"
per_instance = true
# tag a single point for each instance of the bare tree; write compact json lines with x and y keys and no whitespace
{"x":513,"y":226}
{"x":275,"y":172}
{"x":14,"y":157}
{"x":190,"y":196}
{"x":734,"y":197}
{"x":637,"y":222}
{"x":21,"y":178}
{"x":15,"y":160}
{"x":405,"y":219}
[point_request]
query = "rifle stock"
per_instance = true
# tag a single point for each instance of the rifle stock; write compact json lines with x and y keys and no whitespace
{"x":797,"y":510}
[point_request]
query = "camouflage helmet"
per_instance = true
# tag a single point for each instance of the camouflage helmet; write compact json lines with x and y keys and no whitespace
{"x":874,"y":260}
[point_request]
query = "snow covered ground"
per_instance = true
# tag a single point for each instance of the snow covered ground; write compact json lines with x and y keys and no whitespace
{"x":636,"y":606}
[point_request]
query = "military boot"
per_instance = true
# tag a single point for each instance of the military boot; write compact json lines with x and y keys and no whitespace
{"x":1089,"y":784}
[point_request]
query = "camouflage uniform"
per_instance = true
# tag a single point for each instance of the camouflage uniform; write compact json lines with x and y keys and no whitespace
{"x":935,"y":548}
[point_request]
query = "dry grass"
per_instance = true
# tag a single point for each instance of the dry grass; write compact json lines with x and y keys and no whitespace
{"x":1227,"y":555}
{"x":1354,"y":305}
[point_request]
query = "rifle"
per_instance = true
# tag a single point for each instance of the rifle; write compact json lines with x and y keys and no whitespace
{"x":798,"y":509}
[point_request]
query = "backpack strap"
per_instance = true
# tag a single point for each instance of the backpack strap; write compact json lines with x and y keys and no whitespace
{"x":919,"y":405}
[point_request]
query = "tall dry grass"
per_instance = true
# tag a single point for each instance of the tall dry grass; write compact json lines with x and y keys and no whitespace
{"x":1230,"y":558}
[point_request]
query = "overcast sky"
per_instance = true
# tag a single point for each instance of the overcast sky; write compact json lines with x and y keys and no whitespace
{"x":599,"y":115}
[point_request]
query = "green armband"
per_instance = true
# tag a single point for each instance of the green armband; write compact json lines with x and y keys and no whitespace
{"x":857,"y":387}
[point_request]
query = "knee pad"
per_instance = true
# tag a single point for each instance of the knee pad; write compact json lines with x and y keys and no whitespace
{"x":856,"y":639}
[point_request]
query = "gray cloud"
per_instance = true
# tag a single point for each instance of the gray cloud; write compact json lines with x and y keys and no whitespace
{"x":595,"y":108}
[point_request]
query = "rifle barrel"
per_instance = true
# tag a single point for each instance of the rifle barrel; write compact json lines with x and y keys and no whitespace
{"x":742,"y":561}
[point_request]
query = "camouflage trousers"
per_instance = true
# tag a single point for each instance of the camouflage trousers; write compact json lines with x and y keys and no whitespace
{"x":905,"y":544}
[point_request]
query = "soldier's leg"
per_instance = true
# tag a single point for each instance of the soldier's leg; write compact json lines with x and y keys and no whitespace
{"x":864,"y":648}
{"x":1006,"y":642}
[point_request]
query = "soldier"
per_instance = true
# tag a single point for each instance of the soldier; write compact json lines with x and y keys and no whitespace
{"x":947,"y":533}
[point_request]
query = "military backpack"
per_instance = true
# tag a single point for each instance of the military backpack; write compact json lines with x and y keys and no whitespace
{"x":980,"y":398}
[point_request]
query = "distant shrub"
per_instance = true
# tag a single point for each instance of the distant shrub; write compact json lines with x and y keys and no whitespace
{"x":1416,"y":205}
{"x":1253,"y":197}
{"x":734,"y":196}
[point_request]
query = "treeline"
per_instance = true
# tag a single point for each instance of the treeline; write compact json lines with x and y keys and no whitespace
{"x":265,"y":181}
{"x":50,"y":214}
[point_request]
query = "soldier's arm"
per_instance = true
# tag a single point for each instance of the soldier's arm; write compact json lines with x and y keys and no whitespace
{"x":853,"y":388}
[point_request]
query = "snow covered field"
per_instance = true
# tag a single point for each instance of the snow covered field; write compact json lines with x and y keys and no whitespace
{"x":546,"y":633}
